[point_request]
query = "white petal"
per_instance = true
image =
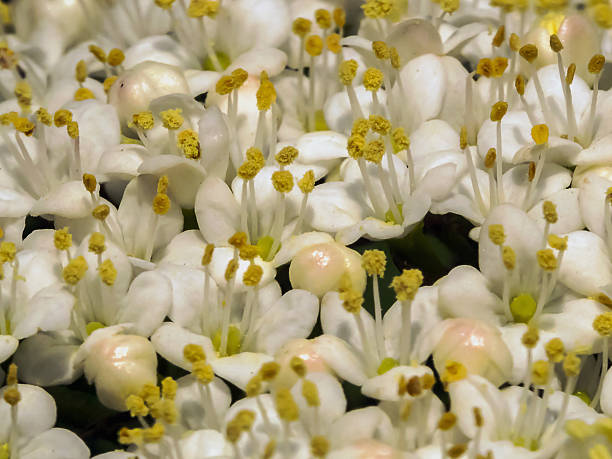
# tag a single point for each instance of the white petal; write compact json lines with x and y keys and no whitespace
{"x":36,"y":414}
{"x":516,"y":133}
{"x":240,"y":368}
{"x":190,"y":402}
{"x":341,"y":358}
{"x":70,"y":200}
{"x":254,"y":61}
{"x":424,"y":38}
{"x":170,"y":339}
{"x":14,"y":203}
{"x":384,"y":387}
{"x":55,"y":444}
{"x":214,"y":140}
{"x":217,"y":211}
{"x":8,"y":346}
{"x":568,"y":211}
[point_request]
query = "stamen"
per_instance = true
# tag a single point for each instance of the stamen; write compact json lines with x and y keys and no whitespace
{"x":374,"y":262}
{"x":406,"y":286}
{"x":530,"y":53}
{"x":603,"y":326}
{"x":347,"y":72}
{"x":595,"y":67}
{"x":557,"y":47}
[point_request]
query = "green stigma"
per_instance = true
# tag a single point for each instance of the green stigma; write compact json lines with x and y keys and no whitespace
{"x":224,"y":60}
{"x":583,"y":396}
{"x":389,"y":218}
{"x":4,"y":451}
{"x":93,"y":326}
{"x":386,"y":364}
{"x":320,"y":123}
{"x":264,"y":245}
{"x":523,"y":307}
{"x":234,"y":340}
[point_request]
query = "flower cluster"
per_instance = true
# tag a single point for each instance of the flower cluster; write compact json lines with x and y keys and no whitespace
{"x":204,"y":205}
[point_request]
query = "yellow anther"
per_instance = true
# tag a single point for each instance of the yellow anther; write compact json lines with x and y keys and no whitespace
{"x":72,"y":129}
{"x":238,"y":239}
{"x":136,"y":406}
{"x":129,"y":436}
{"x":164,"y":4}
{"x":373,"y":79}
{"x":531,"y":337}
{"x":380,"y":124}
{"x":347,"y":71}
{"x":101,"y":212}
{"x":485,"y":67}
{"x":298,"y":366}
{"x":453,"y":371}
{"x":539,"y":134}
{"x":194,"y":353}
{"x":531,"y":171}
{"x":323,"y":18}
{"x":239,"y":76}
{"x":161,"y":204}
{"x":596,"y":64}
{"x":599,"y":451}
{"x":97,"y":243}
{"x":98,"y":53}
{"x":172,"y":118}
{"x":252,"y":276}
{"x":24,"y":125}
{"x":519,"y":84}
{"x":407,"y":284}
{"x":571,"y":364}
{"x":169,"y":387}
{"x":149,"y":393}
{"x":269,"y":371}
{"x":602,"y":13}
{"x":203,"y":372}
{"x":515,"y":42}
{"x":107,"y":272}
{"x":282,"y":181}
{"x":529,"y":52}
{"x":555,"y":43}
{"x":266,"y":94}
{"x":540,"y":372}
{"x":332,"y":41}
{"x":499,"y":37}
{"x":286,"y":155}
{"x":496,"y":234}
{"x":376,"y":9}
{"x":339,"y":16}
{"x":428,"y":381}
{"x":23,"y":93}
{"x":381,"y":50}
{"x":162,"y":184}
{"x":108,"y":82}
{"x":12,"y":396}
{"x":225,"y":85}
{"x":255,"y":155}
{"x":7,"y":252}
{"x":457,"y":451}
{"x":43,"y":116}
{"x":8,"y":59}
{"x":413,"y":387}
{"x":90,"y":182}
{"x":449,"y":6}
{"x":361,"y":126}
{"x":374,"y":262}
{"x":314,"y":45}
{"x":508,"y":257}
{"x":301,"y":27}
{"x":603,"y":324}
{"x":374,"y":151}
{"x":498,"y":110}
{"x":253,"y":387}
{"x":447,"y":421}
{"x":478,"y":419}
{"x":233,"y":431}
{"x":208,"y":254}
{"x":355,"y":146}
{"x":245,"y":419}
{"x":201,"y":8}
{"x":310,"y":392}
{"x":550,"y":212}
{"x":188,"y":142}
{"x":62,"y":117}
{"x":351,"y":301}
{"x":307,"y":182}
{"x":143,"y":120}
{"x":546,"y":259}
{"x":248,"y":252}
{"x":230,"y":269}
{"x":286,"y":407}
{"x":556,"y":242}
{"x":153,"y":434}
{"x":571,"y":71}
{"x":319,"y":446}
{"x":579,"y":429}
{"x":555,"y":350}
{"x":115,"y":57}
{"x":165,"y":410}
{"x":499,"y":66}
{"x":8,"y":118}
{"x":75,"y":270}
{"x":11,"y":376}
{"x":400,"y":140}
{"x":394,"y":58}
{"x":62,"y":239}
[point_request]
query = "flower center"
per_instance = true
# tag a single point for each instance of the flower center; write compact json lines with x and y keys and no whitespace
{"x":234,"y":340}
{"x":387,"y":364}
{"x":92,"y":327}
{"x":224,"y":61}
{"x":4,"y":451}
{"x":523,"y":308}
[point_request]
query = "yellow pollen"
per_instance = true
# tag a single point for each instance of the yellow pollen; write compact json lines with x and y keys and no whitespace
{"x":374,"y":262}
{"x":555,"y":350}
{"x":225,"y":85}
{"x":546,"y":259}
{"x":555,"y":43}
{"x":380,"y":124}
{"x":75,"y":270}
{"x":108,"y":82}
{"x":101,"y":212}
{"x":499,"y":37}
{"x":203,"y":372}
{"x":556,"y":242}
{"x":107,"y":272}
{"x":301,"y":27}
{"x":319,"y":446}
{"x":539,"y":134}
{"x":394,"y":58}
{"x":72,"y":129}
{"x":12,"y":396}
{"x":7,"y":251}
{"x":201,"y":8}
{"x":164,"y":4}
{"x":347,"y":71}
{"x":233,"y":430}
{"x":579,"y":429}
{"x":457,"y":451}
{"x":508,"y":257}
{"x":80,"y":71}
{"x":172,"y":118}
{"x":248,"y":252}
{"x":62,"y":239}
{"x":255,"y":155}
{"x":314,"y":45}
{"x":531,"y":171}
{"x":447,"y":421}
{"x":453,"y":371}
{"x":266,"y":94}
{"x":499,"y":66}
{"x":571,"y":364}
{"x":571,"y":71}
{"x":62,"y":117}
{"x":97,"y":243}
{"x":428,"y":381}
{"x":400,"y":139}
{"x":129,"y":436}
{"x":230,"y":269}
{"x":496,"y":234}
{"x":286,"y":155}
{"x":161,"y":204}
{"x":333,"y":43}
{"x":208,"y":254}
{"x":43,"y":116}
{"x":149,"y":393}
{"x":115,"y":57}
{"x":374,"y":151}
{"x":238,"y":239}
{"x":169,"y":387}
{"x":194,"y":353}
{"x":24,"y":125}
{"x":550,"y":212}
{"x":8,"y":118}
{"x":269,"y":371}
{"x":407,"y":284}
{"x":239,"y":76}
{"x":23,"y":93}
{"x":245,"y":419}
{"x":253,"y":387}
{"x":381,"y":50}
{"x":136,"y":406}
{"x":188,"y":141}
{"x":531,"y":337}
{"x":356,"y":145}
{"x":11,"y":376}
{"x":498,"y":111}
{"x":98,"y":53}
{"x":310,"y":392}
{"x":143,"y":120}
{"x":323,"y":18}
{"x":413,"y":387}
{"x":282,"y":181}
{"x":478,"y":419}
{"x":286,"y":407}
{"x":485,"y":67}
{"x":90,"y":182}
{"x":376,"y":9}
{"x":8,"y":59}
{"x":603,"y":324}
{"x":596,"y":64}
{"x":339,"y":16}
{"x":252,"y":276}
{"x":361,"y":126}
{"x":599,"y":451}
{"x":519,"y":84}
{"x":153,"y":434}
{"x":307,"y":182}
{"x":529,"y":52}
{"x":602,"y":13}
{"x":515,"y":42}
{"x":373,"y":79}
{"x":351,"y":301}
{"x":162,"y":184}
{"x":540,"y":372}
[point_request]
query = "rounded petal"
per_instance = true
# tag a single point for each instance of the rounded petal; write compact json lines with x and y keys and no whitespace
{"x":55,"y":444}
{"x":170,"y":339}
{"x":217,"y":211}
{"x":384,"y":387}
{"x":36,"y":414}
